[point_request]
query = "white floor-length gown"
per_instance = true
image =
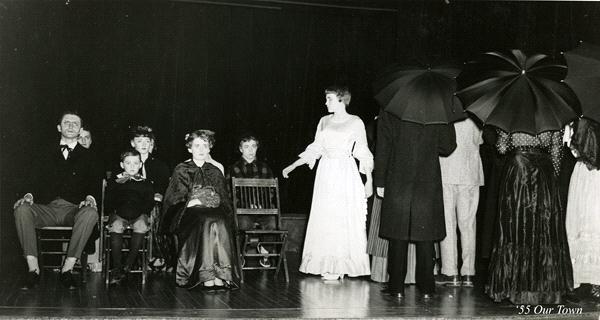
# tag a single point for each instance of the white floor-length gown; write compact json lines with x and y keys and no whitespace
{"x":583,"y":224}
{"x":336,"y":238}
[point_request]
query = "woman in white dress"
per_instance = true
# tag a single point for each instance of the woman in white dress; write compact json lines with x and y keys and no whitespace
{"x":336,"y":239}
{"x":583,"y":206}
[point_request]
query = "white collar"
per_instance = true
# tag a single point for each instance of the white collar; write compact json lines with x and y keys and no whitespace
{"x":70,"y":145}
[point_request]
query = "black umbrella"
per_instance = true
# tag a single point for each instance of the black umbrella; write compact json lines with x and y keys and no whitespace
{"x":517,"y":93}
{"x":421,"y":95}
{"x":584,"y":78}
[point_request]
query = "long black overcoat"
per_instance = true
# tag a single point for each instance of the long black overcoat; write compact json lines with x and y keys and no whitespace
{"x":407,"y":166}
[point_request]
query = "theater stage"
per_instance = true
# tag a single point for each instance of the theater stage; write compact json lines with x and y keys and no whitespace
{"x":260,"y":297}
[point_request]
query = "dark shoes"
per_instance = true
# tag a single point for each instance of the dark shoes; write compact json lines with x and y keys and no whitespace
{"x":393,"y":292}
{"x":68,"y":280}
{"x":31,"y":280}
{"x":467,"y":281}
{"x":117,"y":276}
{"x":449,"y":281}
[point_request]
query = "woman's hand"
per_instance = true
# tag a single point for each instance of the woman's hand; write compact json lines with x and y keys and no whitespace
{"x":380,"y":192}
{"x":368,"y":189}
{"x":286,"y":172}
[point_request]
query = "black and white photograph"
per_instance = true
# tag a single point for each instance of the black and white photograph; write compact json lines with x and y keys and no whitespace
{"x":311,"y":159}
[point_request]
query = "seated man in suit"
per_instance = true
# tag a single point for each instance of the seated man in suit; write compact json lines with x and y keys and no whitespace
{"x":63,"y":194}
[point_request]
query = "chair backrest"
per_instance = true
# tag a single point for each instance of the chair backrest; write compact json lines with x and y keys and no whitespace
{"x":256,"y":200}
{"x":103,"y":218}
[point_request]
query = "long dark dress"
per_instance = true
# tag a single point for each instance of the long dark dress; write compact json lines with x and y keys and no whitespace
{"x":206,"y":236}
{"x":530,"y":261}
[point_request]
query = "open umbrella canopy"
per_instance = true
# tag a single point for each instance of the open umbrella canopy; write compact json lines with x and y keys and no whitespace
{"x":584,"y":78}
{"x":517,"y":93}
{"x":421,"y":95}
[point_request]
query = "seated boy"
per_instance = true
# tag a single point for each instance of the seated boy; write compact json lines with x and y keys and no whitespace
{"x":248,"y":166}
{"x":129,"y":198}
{"x":156,"y":172}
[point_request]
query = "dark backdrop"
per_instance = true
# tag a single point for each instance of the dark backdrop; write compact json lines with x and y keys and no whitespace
{"x":179,"y":66}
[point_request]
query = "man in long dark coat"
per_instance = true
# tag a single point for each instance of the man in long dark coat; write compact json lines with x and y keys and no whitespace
{"x":407,"y":168}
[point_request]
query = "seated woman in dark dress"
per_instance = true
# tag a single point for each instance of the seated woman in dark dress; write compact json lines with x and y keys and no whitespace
{"x":197,"y":209}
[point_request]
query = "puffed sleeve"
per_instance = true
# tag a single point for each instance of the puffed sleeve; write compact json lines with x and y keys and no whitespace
{"x":502,"y":142}
{"x":315,"y":149}
{"x":361,"y":148}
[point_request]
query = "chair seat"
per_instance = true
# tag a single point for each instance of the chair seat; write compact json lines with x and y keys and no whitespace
{"x":265,"y":231}
{"x":56,"y":228}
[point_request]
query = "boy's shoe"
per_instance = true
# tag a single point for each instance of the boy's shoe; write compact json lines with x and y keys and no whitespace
{"x":117,"y":276}
{"x":157,"y":264}
{"x":449,"y":281}
{"x":467,"y":281}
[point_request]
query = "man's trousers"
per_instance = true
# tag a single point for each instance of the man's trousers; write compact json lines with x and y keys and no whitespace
{"x":57,"y":213}
{"x":460,"y":207}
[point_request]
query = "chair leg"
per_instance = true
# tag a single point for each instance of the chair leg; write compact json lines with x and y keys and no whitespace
{"x":39,"y":250}
{"x":144,"y":264}
{"x":279,"y":257}
{"x":106,"y":259}
{"x":84,"y":266}
{"x":284,"y":258}
{"x":240,"y":258}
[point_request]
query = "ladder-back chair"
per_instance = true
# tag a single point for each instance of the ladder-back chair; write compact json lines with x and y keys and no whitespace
{"x":105,"y":247}
{"x":256,"y":203}
{"x":53,"y":241}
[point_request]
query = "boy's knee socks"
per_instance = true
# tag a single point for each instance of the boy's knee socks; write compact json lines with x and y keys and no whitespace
{"x":136,"y":243}
{"x":116,"y":245}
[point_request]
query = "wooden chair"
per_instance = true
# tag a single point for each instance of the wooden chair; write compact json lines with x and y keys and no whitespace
{"x":53,"y":241}
{"x":256,"y":201}
{"x":105,"y":248}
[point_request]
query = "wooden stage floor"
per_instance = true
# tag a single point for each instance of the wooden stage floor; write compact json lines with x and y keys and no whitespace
{"x":260,"y":297}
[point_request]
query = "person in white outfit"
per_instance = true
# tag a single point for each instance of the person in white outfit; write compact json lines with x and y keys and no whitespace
{"x":583,"y":205}
{"x":462,"y":175}
{"x":336,"y":237}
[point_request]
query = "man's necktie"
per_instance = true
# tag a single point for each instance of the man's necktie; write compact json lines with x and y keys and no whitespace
{"x":64,"y":147}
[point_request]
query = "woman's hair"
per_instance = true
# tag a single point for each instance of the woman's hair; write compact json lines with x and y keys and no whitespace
{"x":342,"y":92}
{"x":586,"y":141}
{"x":206,"y":135}
{"x":141,"y":131}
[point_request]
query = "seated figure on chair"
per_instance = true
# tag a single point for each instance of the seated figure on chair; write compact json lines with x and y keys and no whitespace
{"x":129,"y":199}
{"x":62,"y":193}
{"x":197,"y":209}
{"x":249,"y":167}
{"x":157,"y":173}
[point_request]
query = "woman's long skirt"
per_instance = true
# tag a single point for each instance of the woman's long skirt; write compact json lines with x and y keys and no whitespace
{"x":378,"y":249}
{"x":206,"y":247}
{"x":530,"y":261}
{"x":583,"y":225}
